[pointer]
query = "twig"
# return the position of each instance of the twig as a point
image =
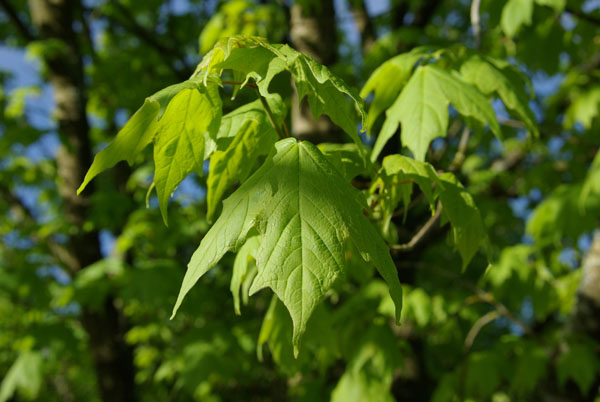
(511, 123)
(583, 16)
(486, 297)
(61, 253)
(459, 157)
(270, 114)
(477, 327)
(475, 22)
(421, 234)
(481, 295)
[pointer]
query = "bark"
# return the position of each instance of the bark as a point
(363, 24)
(113, 359)
(586, 317)
(313, 32)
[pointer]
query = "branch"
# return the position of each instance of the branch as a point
(478, 326)
(16, 21)
(459, 157)
(59, 252)
(420, 235)
(583, 16)
(475, 22)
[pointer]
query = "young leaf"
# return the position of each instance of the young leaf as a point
(326, 93)
(422, 108)
(242, 271)
(245, 135)
(514, 14)
(421, 173)
(177, 119)
(179, 148)
(388, 80)
(490, 77)
(305, 212)
(459, 208)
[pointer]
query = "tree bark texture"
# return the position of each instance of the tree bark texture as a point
(113, 358)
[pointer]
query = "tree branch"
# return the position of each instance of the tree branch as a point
(16, 21)
(475, 22)
(62, 254)
(583, 16)
(420, 235)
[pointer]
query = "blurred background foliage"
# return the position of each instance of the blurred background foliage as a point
(87, 284)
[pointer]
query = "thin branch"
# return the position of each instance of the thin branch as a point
(478, 326)
(481, 295)
(16, 21)
(459, 157)
(487, 297)
(475, 22)
(511, 123)
(593, 19)
(421, 234)
(62, 254)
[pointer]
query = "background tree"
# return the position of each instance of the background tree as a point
(505, 307)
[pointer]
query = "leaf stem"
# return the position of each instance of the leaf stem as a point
(271, 116)
(249, 84)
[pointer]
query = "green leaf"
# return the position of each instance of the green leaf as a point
(24, 376)
(404, 168)
(459, 208)
(370, 371)
(489, 77)
(422, 108)
(531, 368)
(244, 136)
(557, 5)
(276, 332)
(177, 119)
(388, 80)
(591, 184)
(580, 364)
(583, 109)
(242, 270)
(346, 158)
(326, 93)
(514, 14)
(137, 133)
(305, 212)
(565, 212)
(179, 149)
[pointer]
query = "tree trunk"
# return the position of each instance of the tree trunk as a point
(363, 24)
(112, 357)
(586, 317)
(312, 31)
